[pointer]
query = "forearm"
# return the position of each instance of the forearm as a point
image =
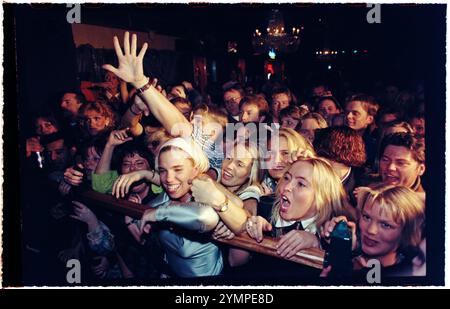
(165, 112)
(104, 165)
(191, 216)
(124, 95)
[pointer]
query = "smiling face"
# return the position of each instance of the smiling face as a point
(357, 116)
(296, 192)
(176, 169)
(380, 234)
(398, 167)
(236, 168)
(134, 162)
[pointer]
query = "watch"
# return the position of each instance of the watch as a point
(224, 206)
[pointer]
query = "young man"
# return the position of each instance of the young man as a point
(360, 112)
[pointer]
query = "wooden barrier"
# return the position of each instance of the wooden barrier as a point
(311, 257)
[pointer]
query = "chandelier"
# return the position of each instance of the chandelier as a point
(276, 38)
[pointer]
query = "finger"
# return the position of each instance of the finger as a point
(110, 68)
(126, 43)
(78, 205)
(325, 272)
(143, 50)
(133, 44)
(117, 48)
(259, 235)
(284, 240)
(293, 249)
(154, 82)
(114, 188)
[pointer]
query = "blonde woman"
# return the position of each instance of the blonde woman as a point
(390, 230)
(308, 195)
(282, 147)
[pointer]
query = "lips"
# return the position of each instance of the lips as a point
(227, 175)
(172, 189)
(391, 179)
(369, 242)
(285, 204)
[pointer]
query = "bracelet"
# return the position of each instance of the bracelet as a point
(145, 87)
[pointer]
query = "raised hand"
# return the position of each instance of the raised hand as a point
(131, 67)
(118, 137)
(33, 145)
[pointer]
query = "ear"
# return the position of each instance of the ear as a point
(262, 118)
(107, 122)
(73, 150)
(421, 169)
(369, 120)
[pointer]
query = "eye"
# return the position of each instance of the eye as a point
(240, 164)
(386, 225)
(366, 218)
(301, 184)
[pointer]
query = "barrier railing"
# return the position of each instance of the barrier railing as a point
(311, 257)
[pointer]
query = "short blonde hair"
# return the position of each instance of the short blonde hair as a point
(329, 195)
(405, 206)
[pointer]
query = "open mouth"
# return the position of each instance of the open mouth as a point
(391, 179)
(227, 175)
(284, 204)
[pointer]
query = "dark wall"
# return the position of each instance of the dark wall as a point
(45, 58)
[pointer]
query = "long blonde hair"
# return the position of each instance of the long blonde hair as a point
(329, 195)
(406, 208)
(254, 178)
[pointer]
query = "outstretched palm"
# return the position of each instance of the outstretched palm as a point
(130, 66)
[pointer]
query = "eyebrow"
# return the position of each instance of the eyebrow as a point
(302, 178)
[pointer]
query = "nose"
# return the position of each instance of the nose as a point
(349, 115)
(372, 228)
(288, 187)
(391, 166)
(170, 176)
(54, 156)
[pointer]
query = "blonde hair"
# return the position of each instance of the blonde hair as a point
(321, 122)
(296, 141)
(329, 195)
(194, 151)
(406, 208)
(255, 177)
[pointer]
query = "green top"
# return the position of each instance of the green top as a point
(103, 183)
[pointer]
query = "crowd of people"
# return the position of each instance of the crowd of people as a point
(261, 162)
